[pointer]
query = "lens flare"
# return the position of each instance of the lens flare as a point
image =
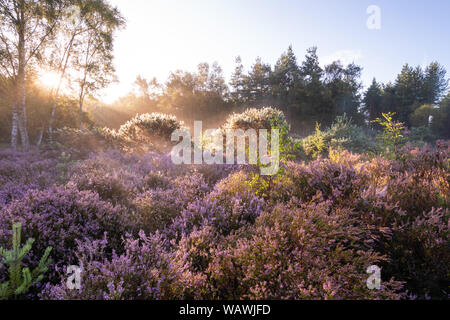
(49, 79)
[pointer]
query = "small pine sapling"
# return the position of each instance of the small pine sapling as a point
(21, 279)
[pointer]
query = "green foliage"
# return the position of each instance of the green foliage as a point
(305, 91)
(315, 145)
(288, 145)
(263, 185)
(343, 134)
(441, 119)
(372, 100)
(391, 139)
(421, 116)
(414, 87)
(21, 279)
(421, 135)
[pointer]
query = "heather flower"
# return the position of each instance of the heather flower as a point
(58, 217)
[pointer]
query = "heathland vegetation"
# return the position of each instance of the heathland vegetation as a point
(364, 175)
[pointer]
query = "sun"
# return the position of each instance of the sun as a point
(50, 79)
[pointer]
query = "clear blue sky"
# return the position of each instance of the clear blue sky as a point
(165, 35)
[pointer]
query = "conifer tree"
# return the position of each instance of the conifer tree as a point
(21, 279)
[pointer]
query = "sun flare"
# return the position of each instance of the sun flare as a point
(50, 79)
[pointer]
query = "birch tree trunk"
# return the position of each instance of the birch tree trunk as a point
(14, 127)
(80, 117)
(66, 56)
(21, 97)
(41, 136)
(50, 125)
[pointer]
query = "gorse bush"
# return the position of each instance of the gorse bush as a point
(153, 129)
(157, 124)
(255, 119)
(143, 133)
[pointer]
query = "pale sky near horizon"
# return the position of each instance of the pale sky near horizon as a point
(165, 35)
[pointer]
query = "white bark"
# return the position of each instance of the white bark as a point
(14, 128)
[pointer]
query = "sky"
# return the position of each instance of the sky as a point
(165, 35)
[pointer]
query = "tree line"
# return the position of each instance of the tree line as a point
(307, 92)
(74, 39)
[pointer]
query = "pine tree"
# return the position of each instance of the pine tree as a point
(435, 83)
(237, 82)
(21, 279)
(372, 100)
(258, 83)
(286, 80)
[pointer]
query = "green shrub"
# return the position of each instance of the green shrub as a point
(343, 134)
(421, 135)
(314, 145)
(421, 116)
(392, 138)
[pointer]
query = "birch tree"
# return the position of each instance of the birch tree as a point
(82, 51)
(92, 61)
(26, 26)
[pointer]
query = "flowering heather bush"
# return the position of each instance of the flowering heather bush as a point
(325, 179)
(214, 173)
(20, 172)
(145, 271)
(11, 191)
(58, 217)
(142, 164)
(107, 178)
(144, 228)
(225, 208)
(419, 253)
(278, 258)
(155, 209)
(225, 217)
(191, 187)
(417, 182)
(408, 198)
(27, 168)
